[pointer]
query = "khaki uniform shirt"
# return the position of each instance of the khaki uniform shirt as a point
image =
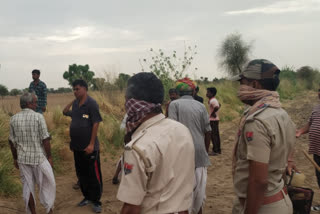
(168, 146)
(268, 137)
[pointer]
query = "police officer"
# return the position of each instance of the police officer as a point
(158, 162)
(265, 141)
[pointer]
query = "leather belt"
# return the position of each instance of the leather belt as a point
(269, 199)
(181, 212)
(274, 198)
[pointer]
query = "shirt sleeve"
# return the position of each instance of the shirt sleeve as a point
(95, 113)
(206, 121)
(45, 91)
(258, 142)
(44, 134)
(173, 113)
(133, 186)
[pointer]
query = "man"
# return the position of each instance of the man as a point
(214, 107)
(158, 161)
(173, 96)
(30, 146)
(40, 89)
(265, 141)
(84, 143)
(196, 97)
(194, 115)
(313, 127)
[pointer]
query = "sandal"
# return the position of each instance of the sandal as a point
(315, 208)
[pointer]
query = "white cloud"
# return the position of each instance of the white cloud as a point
(282, 7)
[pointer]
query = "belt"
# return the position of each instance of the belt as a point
(274, 198)
(269, 199)
(181, 212)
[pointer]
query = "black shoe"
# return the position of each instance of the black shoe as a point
(84, 202)
(96, 208)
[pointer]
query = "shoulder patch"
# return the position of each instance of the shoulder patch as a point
(249, 136)
(127, 168)
(263, 105)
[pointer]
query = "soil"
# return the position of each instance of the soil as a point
(219, 186)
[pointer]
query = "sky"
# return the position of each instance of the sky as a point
(111, 36)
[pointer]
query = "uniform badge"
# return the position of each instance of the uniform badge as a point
(127, 168)
(249, 136)
(85, 116)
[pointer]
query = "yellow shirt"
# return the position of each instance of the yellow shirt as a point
(169, 148)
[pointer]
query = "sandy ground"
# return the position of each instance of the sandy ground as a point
(219, 187)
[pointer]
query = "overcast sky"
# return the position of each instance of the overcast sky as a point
(112, 36)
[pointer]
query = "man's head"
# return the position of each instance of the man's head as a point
(173, 94)
(145, 86)
(28, 100)
(35, 74)
(260, 74)
(80, 88)
(211, 92)
(196, 90)
(185, 86)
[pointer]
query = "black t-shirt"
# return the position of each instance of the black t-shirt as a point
(83, 118)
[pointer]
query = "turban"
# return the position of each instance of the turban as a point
(185, 84)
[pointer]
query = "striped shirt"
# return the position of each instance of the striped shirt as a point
(27, 130)
(41, 91)
(314, 131)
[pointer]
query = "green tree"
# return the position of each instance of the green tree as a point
(234, 53)
(169, 68)
(3, 91)
(308, 75)
(15, 92)
(122, 80)
(79, 72)
(98, 84)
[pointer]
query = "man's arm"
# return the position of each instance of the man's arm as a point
(207, 137)
(130, 209)
(303, 130)
(44, 97)
(94, 133)
(66, 111)
(14, 154)
(47, 149)
(257, 186)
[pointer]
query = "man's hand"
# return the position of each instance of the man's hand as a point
(44, 109)
(298, 133)
(15, 163)
(50, 161)
(89, 148)
(291, 167)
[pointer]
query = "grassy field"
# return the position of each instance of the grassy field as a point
(112, 110)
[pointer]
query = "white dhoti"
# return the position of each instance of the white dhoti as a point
(199, 189)
(42, 175)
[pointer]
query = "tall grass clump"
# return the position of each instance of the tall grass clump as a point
(9, 179)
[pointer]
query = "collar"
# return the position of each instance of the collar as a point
(27, 109)
(85, 102)
(187, 97)
(146, 124)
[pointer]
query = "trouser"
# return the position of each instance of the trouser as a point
(284, 206)
(215, 136)
(199, 189)
(89, 174)
(316, 158)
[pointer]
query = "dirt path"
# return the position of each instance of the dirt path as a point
(219, 187)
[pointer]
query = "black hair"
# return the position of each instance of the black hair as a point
(36, 71)
(80, 82)
(212, 90)
(172, 91)
(270, 84)
(145, 86)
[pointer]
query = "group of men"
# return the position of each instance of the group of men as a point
(165, 159)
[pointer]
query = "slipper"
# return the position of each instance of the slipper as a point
(315, 208)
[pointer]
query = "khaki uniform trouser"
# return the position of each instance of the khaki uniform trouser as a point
(283, 206)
